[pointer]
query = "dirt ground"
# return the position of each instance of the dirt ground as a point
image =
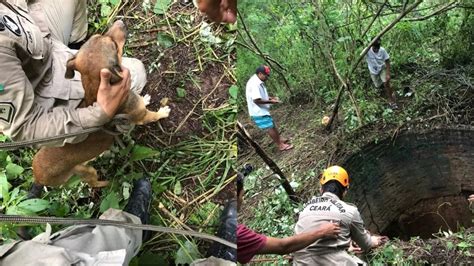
(315, 148)
(440, 250)
(184, 64)
(192, 73)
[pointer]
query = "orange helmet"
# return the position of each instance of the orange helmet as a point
(335, 173)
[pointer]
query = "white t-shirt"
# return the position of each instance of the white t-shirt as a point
(376, 61)
(255, 89)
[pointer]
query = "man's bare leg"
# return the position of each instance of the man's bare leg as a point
(282, 139)
(273, 132)
(389, 92)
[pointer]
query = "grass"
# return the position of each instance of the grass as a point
(444, 247)
(191, 171)
(442, 98)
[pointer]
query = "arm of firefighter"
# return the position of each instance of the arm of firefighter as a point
(359, 234)
(23, 119)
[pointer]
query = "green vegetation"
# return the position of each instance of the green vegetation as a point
(274, 215)
(312, 45)
(188, 156)
(314, 49)
(445, 245)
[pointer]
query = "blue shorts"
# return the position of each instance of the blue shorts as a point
(263, 122)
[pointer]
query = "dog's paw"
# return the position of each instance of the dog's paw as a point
(98, 184)
(164, 111)
(146, 99)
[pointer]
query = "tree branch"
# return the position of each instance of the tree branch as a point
(373, 20)
(284, 181)
(344, 85)
(362, 55)
(252, 40)
(266, 57)
(387, 28)
(437, 12)
(330, 58)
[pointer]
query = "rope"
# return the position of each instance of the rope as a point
(118, 120)
(72, 221)
(25, 143)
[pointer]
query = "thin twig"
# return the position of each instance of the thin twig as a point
(445, 8)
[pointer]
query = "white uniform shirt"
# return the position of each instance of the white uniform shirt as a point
(327, 208)
(255, 89)
(376, 61)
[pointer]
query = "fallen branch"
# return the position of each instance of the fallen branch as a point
(202, 100)
(284, 181)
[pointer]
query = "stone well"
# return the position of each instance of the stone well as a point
(415, 184)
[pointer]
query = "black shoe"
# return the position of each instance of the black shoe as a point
(139, 203)
(227, 230)
(35, 191)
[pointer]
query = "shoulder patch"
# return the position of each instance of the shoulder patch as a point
(11, 25)
(7, 112)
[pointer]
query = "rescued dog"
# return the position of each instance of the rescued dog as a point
(52, 166)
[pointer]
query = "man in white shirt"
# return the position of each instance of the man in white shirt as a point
(258, 103)
(378, 62)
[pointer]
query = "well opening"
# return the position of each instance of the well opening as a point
(416, 184)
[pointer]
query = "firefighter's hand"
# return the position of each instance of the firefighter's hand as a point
(378, 240)
(354, 248)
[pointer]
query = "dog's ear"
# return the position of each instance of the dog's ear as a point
(116, 74)
(70, 67)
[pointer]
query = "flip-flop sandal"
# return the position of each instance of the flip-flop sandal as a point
(287, 147)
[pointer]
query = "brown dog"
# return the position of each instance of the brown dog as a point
(52, 166)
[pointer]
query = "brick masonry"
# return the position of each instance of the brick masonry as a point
(414, 184)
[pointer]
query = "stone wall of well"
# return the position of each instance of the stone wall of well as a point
(395, 181)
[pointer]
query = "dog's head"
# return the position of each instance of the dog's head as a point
(100, 51)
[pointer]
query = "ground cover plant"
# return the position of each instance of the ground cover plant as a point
(312, 48)
(190, 64)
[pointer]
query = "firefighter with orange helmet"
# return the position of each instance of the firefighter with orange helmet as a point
(330, 207)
